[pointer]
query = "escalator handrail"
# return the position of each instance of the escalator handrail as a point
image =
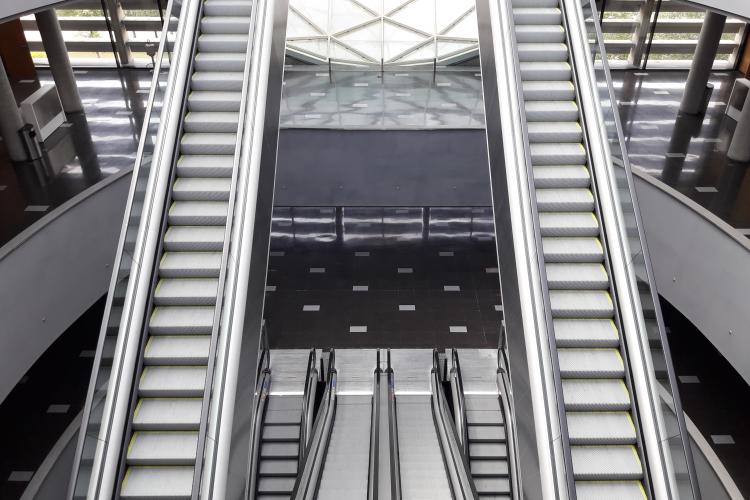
(233, 293)
(506, 406)
(308, 403)
(308, 480)
(114, 281)
(372, 471)
(655, 439)
(239, 161)
(105, 467)
(393, 432)
(459, 398)
(457, 467)
(556, 475)
(257, 434)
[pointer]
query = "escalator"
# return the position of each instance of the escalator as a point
(481, 409)
(282, 420)
(599, 410)
(168, 395)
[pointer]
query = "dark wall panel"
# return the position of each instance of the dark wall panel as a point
(318, 167)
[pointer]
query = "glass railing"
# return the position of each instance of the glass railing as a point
(675, 436)
(100, 377)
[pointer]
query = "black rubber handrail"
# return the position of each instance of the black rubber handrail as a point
(459, 402)
(373, 465)
(264, 384)
(306, 486)
(506, 406)
(308, 403)
(457, 468)
(393, 432)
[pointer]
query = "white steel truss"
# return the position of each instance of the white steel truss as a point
(382, 32)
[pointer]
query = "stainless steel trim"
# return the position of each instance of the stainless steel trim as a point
(231, 416)
(529, 323)
(308, 479)
(646, 257)
(456, 465)
(104, 469)
(625, 284)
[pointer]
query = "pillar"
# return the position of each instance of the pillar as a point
(59, 63)
(739, 148)
(703, 60)
(10, 119)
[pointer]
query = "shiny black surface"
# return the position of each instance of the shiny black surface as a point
(383, 277)
(686, 152)
(95, 144)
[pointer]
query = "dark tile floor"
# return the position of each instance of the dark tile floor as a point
(713, 394)
(91, 146)
(407, 238)
(686, 152)
(46, 401)
(383, 277)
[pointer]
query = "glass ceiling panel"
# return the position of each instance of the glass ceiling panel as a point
(382, 32)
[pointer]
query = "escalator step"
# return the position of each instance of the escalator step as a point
(162, 448)
(227, 8)
(186, 292)
(275, 485)
(486, 433)
(198, 213)
(595, 395)
(537, 16)
(602, 427)
(489, 468)
(177, 350)
(586, 333)
(578, 249)
(279, 450)
(172, 381)
(577, 276)
(492, 486)
(602, 463)
(281, 433)
(540, 33)
(143, 482)
(480, 451)
(205, 166)
(194, 238)
(270, 467)
(167, 413)
(591, 363)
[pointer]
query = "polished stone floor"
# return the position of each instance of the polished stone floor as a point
(95, 144)
(686, 152)
(46, 401)
(383, 277)
(713, 394)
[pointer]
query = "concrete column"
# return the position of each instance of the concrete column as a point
(10, 119)
(116, 16)
(739, 148)
(703, 60)
(59, 63)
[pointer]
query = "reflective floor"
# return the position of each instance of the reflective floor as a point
(685, 152)
(98, 143)
(383, 277)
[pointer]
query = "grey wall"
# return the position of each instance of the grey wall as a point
(54, 271)
(700, 268)
(382, 168)
(739, 8)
